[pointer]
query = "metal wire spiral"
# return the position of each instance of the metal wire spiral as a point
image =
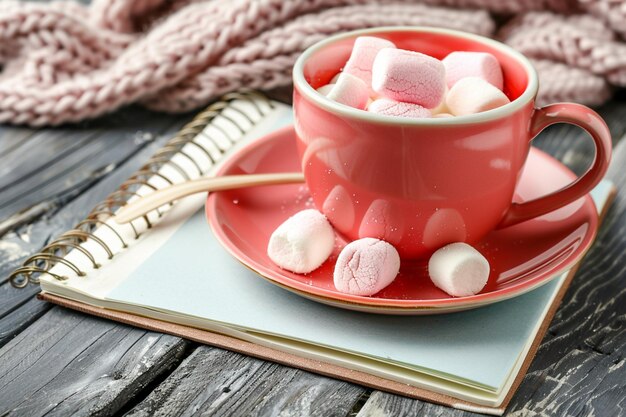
(56, 250)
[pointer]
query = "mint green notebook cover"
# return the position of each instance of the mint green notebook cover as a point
(192, 274)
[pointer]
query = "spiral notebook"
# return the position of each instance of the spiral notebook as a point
(177, 279)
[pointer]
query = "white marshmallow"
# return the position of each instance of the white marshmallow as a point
(474, 95)
(302, 243)
(459, 269)
(366, 266)
(325, 89)
(350, 90)
(335, 78)
(461, 64)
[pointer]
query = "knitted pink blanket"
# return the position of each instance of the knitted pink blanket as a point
(64, 62)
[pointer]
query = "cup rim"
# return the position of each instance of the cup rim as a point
(303, 86)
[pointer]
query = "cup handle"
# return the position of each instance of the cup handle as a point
(585, 118)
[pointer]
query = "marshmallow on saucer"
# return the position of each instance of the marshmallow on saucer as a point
(325, 89)
(390, 107)
(302, 243)
(362, 57)
(474, 95)
(366, 266)
(350, 90)
(483, 65)
(458, 269)
(409, 76)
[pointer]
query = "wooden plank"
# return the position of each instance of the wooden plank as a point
(16, 246)
(20, 318)
(54, 162)
(11, 138)
(26, 240)
(381, 404)
(221, 383)
(122, 360)
(579, 368)
(67, 363)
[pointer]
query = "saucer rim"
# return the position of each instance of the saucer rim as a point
(356, 302)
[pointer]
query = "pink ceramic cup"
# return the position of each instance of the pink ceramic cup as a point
(422, 183)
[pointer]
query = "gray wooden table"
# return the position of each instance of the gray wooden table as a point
(54, 361)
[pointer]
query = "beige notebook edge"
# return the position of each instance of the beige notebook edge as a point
(327, 369)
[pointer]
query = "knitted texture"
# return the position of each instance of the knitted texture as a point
(64, 62)
(578, 42)
(560, 82)
(266, 61)
(613, 12)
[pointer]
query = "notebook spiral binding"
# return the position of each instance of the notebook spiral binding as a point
(56, 250)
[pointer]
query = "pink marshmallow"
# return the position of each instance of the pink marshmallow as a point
(441, 108)
(390, 107)
(362, 57)
(366, 266)
(483, 65)
(409, 76)
(474, 95)
(350, 90)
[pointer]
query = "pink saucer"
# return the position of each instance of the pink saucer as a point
(522, 257)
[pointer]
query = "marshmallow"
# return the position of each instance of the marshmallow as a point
(335, 78)
(302, 243)
(442, 107)
(350, 90)
(366, 266)
(409, 76)
(442, 115)
(483, 65)
(390, 107)
(458, 269)
(474, 95)
(325, 89)
(362, 57)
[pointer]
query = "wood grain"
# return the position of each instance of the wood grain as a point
(20, 318)
(215, 382)
(55, 163)
(381, 404)
(12, 137)
(67, 363)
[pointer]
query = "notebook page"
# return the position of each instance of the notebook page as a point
(481, 345)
